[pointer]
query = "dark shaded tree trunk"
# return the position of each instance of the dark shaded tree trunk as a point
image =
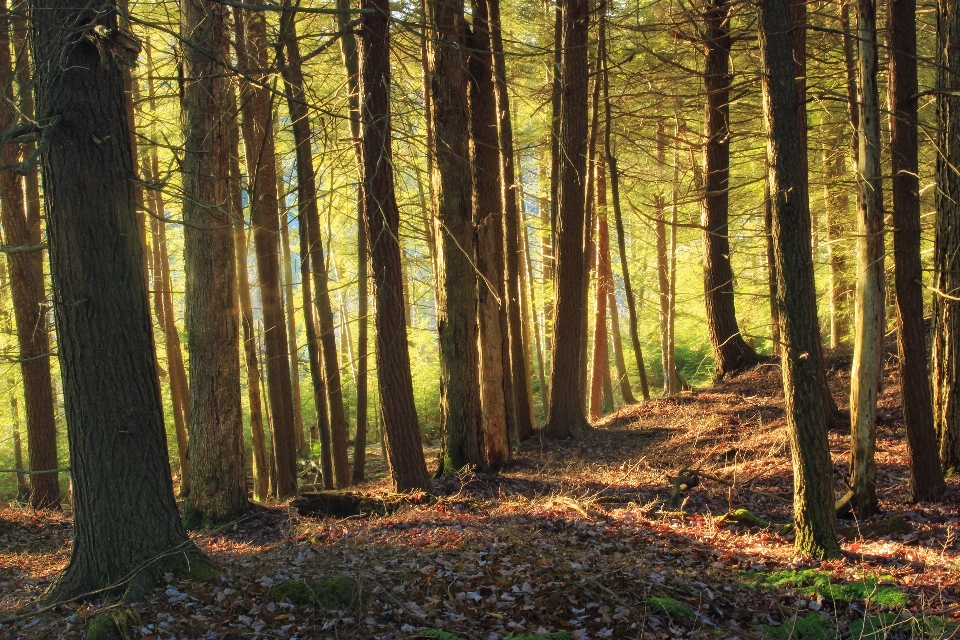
(256, 107)
(216, 420)
(29, 298)
(731, 353)
(946, 261)
(401, 431)
(460, 413)
(796, 293)
(566, 416)
(125, 515)
(926, 476)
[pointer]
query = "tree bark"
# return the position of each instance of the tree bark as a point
(566, 416)
(926, 476)
(946, 307)
(125, 515)
(303, 445)
(256, 107)
(29, 298)
(401, 431)
(865, 375)
(796, 293)
(730, 351)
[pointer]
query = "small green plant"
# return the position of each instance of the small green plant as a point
(671, 607)
(339, 592)
(113, 624)
(813, 627)
(812, 582)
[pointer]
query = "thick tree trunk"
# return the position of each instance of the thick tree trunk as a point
(29, 298)
(125, 515)
(730, 351)
(946, 306)
(401, 431)
(460, 412)
(796, 294)
(926, 476)
(511, 218)
(566, 417)
(216, 420)
(256, 107)
(865, 375)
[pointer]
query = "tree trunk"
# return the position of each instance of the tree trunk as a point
(835, 206)
(216, 421)
(796, 293)
(601, 392)
(303, 446)
(511, 217)
(663, 264)
(256, 106)
(730, 351)
(29, 299)
(526, 293)
(566, 417)
(926, 476)
(865, 375)
(401, 431)
(23, 485)
(125, 516)
(946, 306)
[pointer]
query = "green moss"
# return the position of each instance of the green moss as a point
(813, 582)
(742, 517)
(114, 624)
(671, 607)
(814, 627)
(339, 592)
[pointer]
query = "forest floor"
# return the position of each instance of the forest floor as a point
(573, 537)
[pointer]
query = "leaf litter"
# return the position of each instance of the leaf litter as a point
(572, 538)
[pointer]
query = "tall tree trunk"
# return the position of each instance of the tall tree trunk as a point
(531, 313)
(926, 476)
(865, 375)
(307, 201)
(23, 485)
(29, 299)
(125, 516)
(401, 431)
(547, 286)
(663, 264)
(730, 351)
(835, 201)
(496, 378)
(525, 318)
(796, 293)
(256, 107)
(946, 307)
(601, 392)
(303, 446)
(511, 218)
(566, 417)
(216, 419)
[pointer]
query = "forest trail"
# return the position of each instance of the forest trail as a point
(572, 537)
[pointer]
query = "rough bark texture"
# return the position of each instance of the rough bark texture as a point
(566, 417)
(731, 353)
(460, 413)
(401, 431)
(946, 308)
(256, 106)
(217, 476)
(124, 510)
(865, 375)
(796, 294)
(29, 299)
(926, 476)
(307, 201)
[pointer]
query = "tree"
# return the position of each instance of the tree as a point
(566, 416)
(126, 523)
(926, 476)
(796, 293)
(730, 351)
(946, 261)
(401, 432)
(21, 227)
(216, 420)
(865, 375)
(460, 412)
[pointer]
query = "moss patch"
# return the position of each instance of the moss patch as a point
(339, 592)
(671, 607)
(742, 517)
(115, 624)
(813, 582)
(814, 627)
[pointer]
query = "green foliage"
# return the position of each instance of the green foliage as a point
(671, 607)
(743, 517)
(812, 581)
(339, 592)
(813, 627)
(113, 624)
